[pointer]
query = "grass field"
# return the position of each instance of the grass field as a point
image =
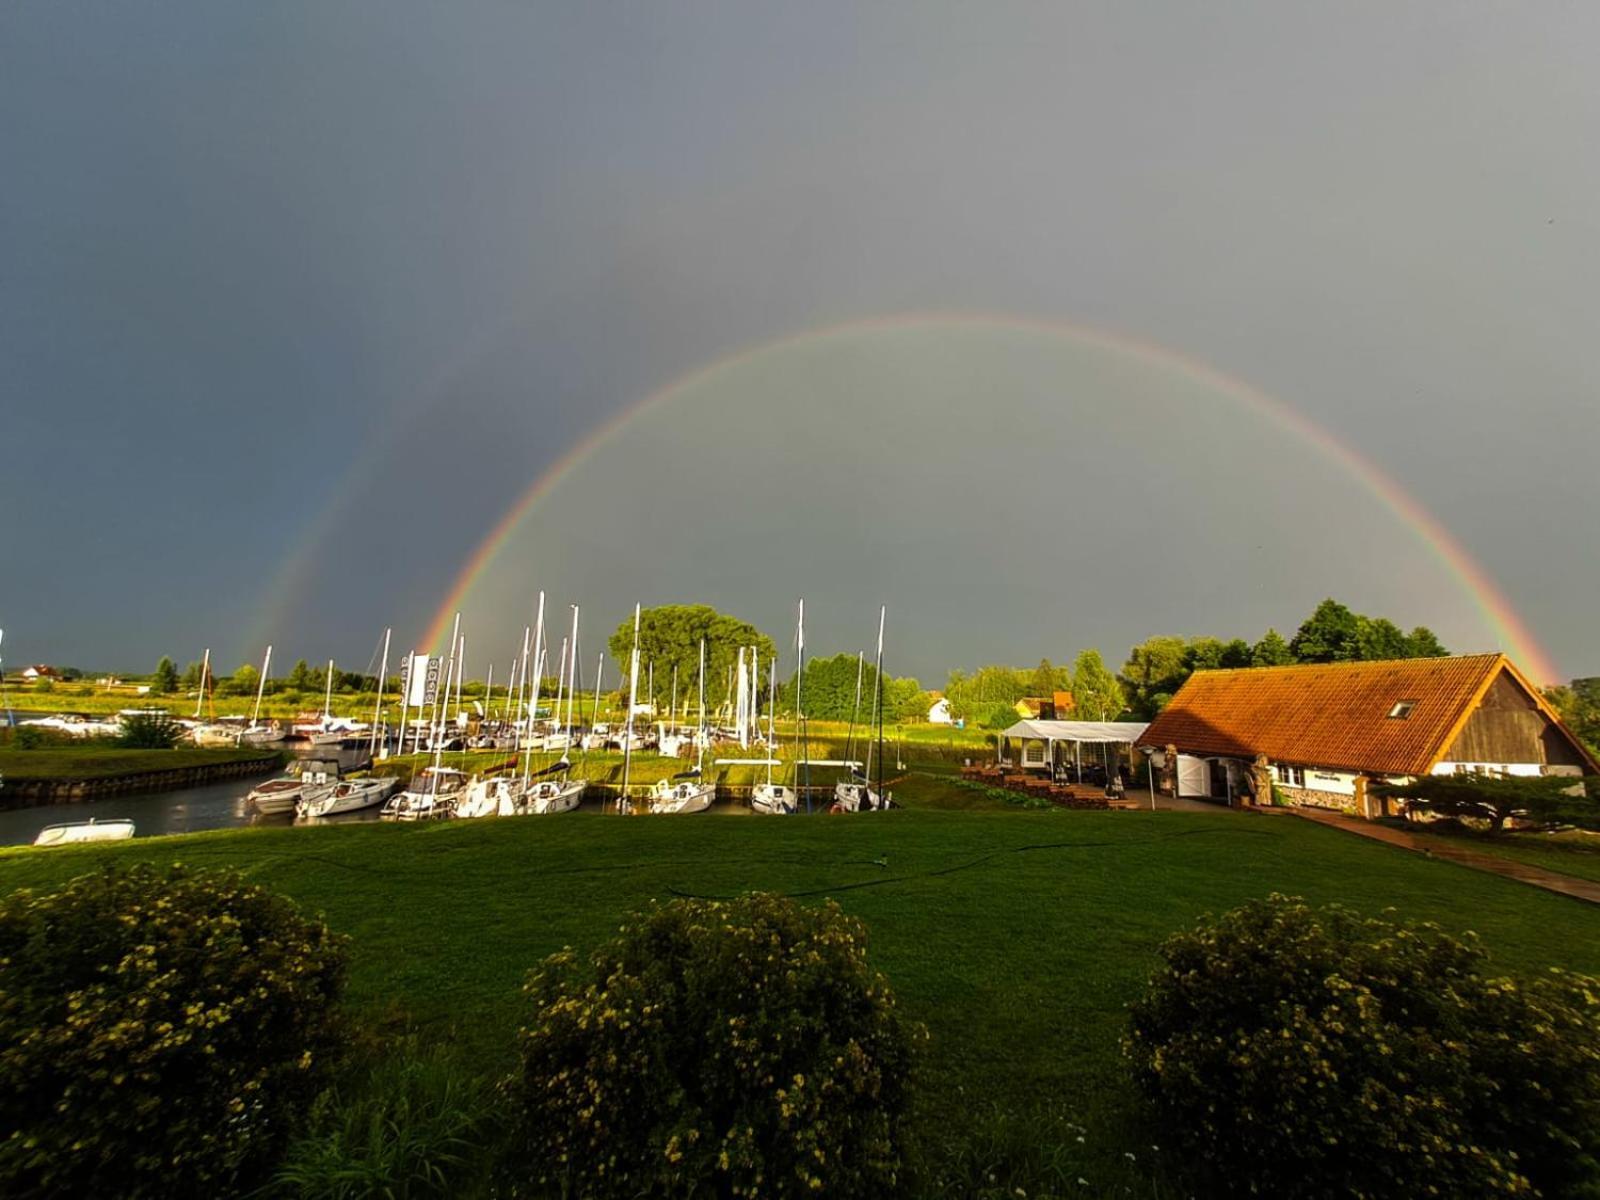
(1017, 938)
(96, 762)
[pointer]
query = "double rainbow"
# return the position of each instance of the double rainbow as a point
(1509, 628)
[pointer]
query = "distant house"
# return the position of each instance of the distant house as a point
(1319, 732)
(1064, 704)
(40, 671)
(1035, 708)
(939, 711)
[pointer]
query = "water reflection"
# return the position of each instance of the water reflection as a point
(181, 810)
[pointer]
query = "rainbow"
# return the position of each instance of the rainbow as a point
(1514, 635)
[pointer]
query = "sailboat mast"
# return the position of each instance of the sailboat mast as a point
(561, 683)
(599, 665)
(261, 687)
(772, 710)
(623, 804)
(377, 709)
(572, 681)
(700, 739)
(205, 669)
(855, 714)
(801, 750)
(878, 704)
(327, 699)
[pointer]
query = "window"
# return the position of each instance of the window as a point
(1033, 753)
(1290, 776)
(1402, 710)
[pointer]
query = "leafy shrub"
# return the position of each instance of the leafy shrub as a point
(159, 1031)
(410, 1125)
(1294, 1052)
(149, 731)
(714, 1048)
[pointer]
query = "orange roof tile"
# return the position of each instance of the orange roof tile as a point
(1332, 715)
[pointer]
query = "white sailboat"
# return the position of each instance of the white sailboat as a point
(326, 732)
(348, 795)
(769, 797)
(547, 797)
(431, 796)
(857, 794)
(256, 733)
(695, 794)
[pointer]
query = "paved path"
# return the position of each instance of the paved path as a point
(1550, 881)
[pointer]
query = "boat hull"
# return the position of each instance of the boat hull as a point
(773, 799)
(77, 832)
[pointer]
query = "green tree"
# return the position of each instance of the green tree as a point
(165, 680)
(1155, 669)
(300, 678)
(1271, 651)
(191, 678)
(1095, 689)
(1421, 643)
(1330, 634)
(1047, 679)
(244, 681)
(1378, 638)
(669, 636)
(830, 689)
(985, 690)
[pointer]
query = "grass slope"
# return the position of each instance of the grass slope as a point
(1017, 938)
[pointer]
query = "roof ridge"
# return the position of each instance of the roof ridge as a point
(1360, 662)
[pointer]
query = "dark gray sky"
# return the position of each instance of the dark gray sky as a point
(295, 299)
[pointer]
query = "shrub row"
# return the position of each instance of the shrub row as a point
(168, 1033)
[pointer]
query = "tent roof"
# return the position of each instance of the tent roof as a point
(1078, 731)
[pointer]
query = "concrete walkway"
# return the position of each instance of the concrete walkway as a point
(1550, 881)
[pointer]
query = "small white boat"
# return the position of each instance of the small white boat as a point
(348, 795)
(773, 798)
(77, 832)
(304, 781)
(548, 797)
(500, 796)
(849, 796)
(262, 735)
(432, 795)
(684, 796)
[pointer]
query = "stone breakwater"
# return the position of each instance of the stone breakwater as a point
(20, 792)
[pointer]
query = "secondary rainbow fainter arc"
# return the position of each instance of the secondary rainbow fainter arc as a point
(1492, 604)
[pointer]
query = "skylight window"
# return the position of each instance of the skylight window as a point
(1402, 710)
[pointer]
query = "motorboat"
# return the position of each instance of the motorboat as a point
(73, 725)
(305, 780)
(77, 832)
(432, 795)
(348, 795)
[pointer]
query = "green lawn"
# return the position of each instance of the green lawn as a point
(94, 762)
(1016, 937)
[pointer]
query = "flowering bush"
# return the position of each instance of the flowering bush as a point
(735, 1048)
(158, 1031)
(1294, 1052)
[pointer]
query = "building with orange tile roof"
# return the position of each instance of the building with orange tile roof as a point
(1323, 729)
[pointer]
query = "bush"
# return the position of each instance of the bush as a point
(714, 1048)
(410, 1125)
(159, 1032)
(1293, 1052)
(149, 731)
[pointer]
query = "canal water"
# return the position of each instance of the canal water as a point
(179, 810)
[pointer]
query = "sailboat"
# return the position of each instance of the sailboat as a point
(694, 794)
(772, 797)
(206, 731)
(856, 794)
(327, 732)
(502, 794)
(256, 733)
(546, 797)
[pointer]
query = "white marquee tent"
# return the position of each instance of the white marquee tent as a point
(1038, 739)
